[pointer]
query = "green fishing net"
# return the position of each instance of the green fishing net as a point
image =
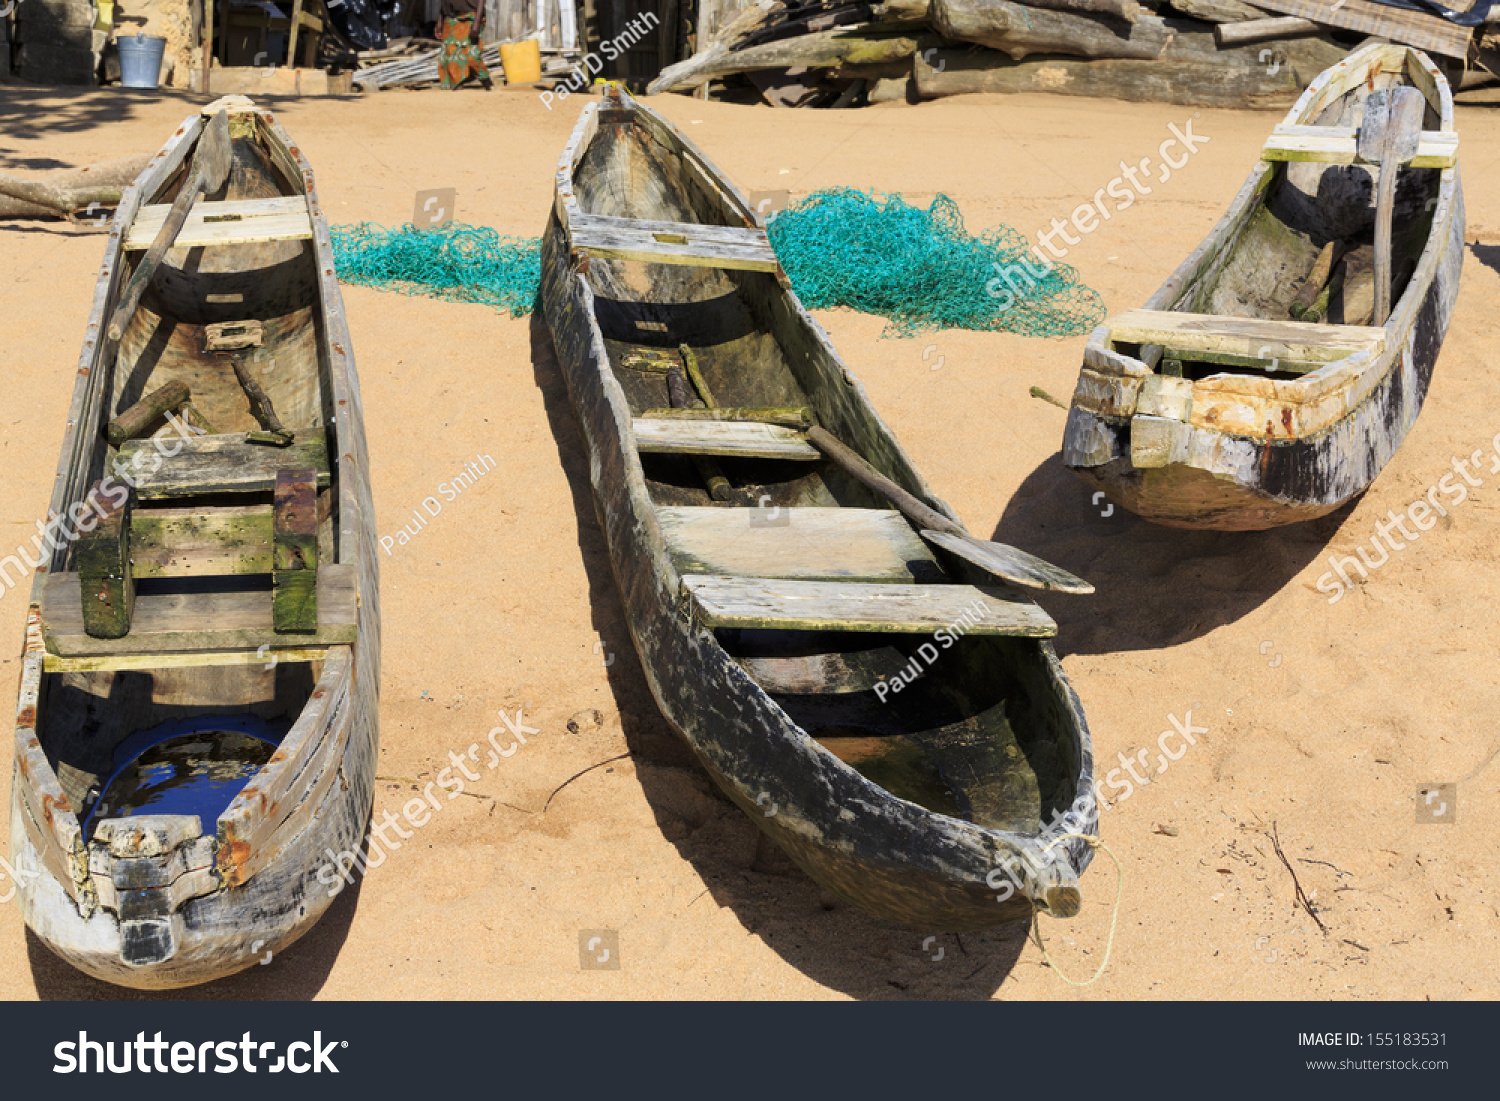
(456, 262)
(840, 247)
(923, 270)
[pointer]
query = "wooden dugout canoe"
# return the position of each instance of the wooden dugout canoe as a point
(229, 667)
(782, 628)
(1212, 407)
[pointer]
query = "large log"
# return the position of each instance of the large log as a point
(1021, 30)
(1191, 73)
(1217, 11)
(845, 46)
(1264, 30)
(69, 191)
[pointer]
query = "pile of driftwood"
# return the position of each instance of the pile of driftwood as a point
(1194, 52)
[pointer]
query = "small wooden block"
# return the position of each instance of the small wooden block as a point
(1162, 396)
(134, 421)
(106, 587)
(294, 551)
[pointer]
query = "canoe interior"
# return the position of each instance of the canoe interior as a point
(85, 716)
(1266, 255)
(979, 736)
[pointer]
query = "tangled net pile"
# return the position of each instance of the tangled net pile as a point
(922, 269)
(840, 247)
(457, 262)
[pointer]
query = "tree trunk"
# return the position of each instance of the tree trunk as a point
(69, 191)
(1191, 73)
(1217, 11)
(1020, 30)
(845, 46)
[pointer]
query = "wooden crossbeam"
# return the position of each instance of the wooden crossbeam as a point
(806, 543)
(201, 541)
(1245, 336)
(177, 623)
(735, 438)
(235, 222)
(673, 243)
(1338, 144)
(761, 603)
(223, 464)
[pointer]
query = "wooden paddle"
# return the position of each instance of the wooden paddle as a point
(1388, 136)
(209, 170)
(1004, 562)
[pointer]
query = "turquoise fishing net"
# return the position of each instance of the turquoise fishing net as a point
(456, 262)
(923, 270)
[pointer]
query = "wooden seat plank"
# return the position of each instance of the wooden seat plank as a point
(1246, 336)
(745, 439)
(807, 543)
(1338, 145)
(787, 605)
(224, 464)
(201, 541)
(234, 222)
(673, 242)
(187, 622)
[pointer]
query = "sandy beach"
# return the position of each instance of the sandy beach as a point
(1322, 719)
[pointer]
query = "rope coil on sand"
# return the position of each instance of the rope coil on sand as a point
(1094, 843)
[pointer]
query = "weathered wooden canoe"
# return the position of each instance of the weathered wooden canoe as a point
(1213, 407)
(196, 730)
(899, 725)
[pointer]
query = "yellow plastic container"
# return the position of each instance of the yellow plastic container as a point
(522, 61)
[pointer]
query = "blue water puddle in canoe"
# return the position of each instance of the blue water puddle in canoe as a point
(186, 766)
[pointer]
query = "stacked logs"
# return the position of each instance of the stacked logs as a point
(1220, 53)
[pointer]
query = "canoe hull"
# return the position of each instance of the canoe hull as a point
(1241, 483)
(1298, 450)
(891, 858)
(172, 901)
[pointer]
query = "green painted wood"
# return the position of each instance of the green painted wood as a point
(106, 589)
(294, 553)
(202, 541)
(222, 464)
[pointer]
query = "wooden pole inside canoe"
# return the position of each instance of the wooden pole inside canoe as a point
(681, 398)
(208, 42)
(1004, 562)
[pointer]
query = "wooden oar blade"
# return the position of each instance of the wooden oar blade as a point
(1009, 563)
(1392, 126)
(214, 154)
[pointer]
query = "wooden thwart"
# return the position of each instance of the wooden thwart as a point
(236, 222)
(1340, 145)
(809, 544)
(849, 606)
(225, 464)
(673, 243)
(183, 622)
(735, 438)
(201, 541)
(1245, 336)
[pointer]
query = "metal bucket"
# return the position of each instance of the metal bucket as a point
(140, 60)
